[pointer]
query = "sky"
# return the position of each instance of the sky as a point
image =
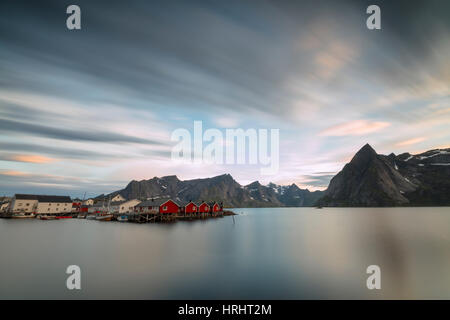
(90, 110)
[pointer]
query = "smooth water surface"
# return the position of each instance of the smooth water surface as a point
(282, 253)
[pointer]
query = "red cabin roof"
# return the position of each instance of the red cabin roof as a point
(169, 206)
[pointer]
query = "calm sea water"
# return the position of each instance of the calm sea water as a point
(289, 253)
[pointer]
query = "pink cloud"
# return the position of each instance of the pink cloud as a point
(410, 141)
(354, 128)
(30, 158)
(13, 173)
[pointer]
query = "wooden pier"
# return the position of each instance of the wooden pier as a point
(158, 217)
(171, 217)
(150, 217)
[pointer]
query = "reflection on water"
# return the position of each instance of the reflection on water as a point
(289, 253)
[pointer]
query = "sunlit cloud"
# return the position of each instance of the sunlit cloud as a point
(355, 128)
(410, 141)
(30, 158)
(13, 173)
(57, 185)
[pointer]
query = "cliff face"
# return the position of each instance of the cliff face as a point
(376, 180)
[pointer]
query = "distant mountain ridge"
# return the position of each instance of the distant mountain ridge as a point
(220, 188)
(370, 179)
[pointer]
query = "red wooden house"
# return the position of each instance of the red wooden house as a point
(169, 206)
(214, 207)
(189, 208)
(203, 207)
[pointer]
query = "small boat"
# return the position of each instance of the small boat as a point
(46, 217)
(122, 218)
(63, 217)
(23, 216)
(91, 217)
(104, 214)
(104, 217)
(81, 216)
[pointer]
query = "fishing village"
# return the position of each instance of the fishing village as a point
(115, 208)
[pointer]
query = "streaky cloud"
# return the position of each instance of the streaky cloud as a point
(19, 127)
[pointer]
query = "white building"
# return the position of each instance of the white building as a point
(40, 204)
(54, 204)
(117, 198)
(24, 203)
(88, 202)
(123, 206)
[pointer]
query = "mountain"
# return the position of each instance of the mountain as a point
(370, 179)
(283, 196)
(220, 188)
(293, 196)
(261, 193)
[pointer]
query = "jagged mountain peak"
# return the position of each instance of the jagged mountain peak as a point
(391, 156)
(367, 147)
(370, 179)
(254, 184)
(365, 151)
(170, 178)
(363, 157)
(226, 176)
